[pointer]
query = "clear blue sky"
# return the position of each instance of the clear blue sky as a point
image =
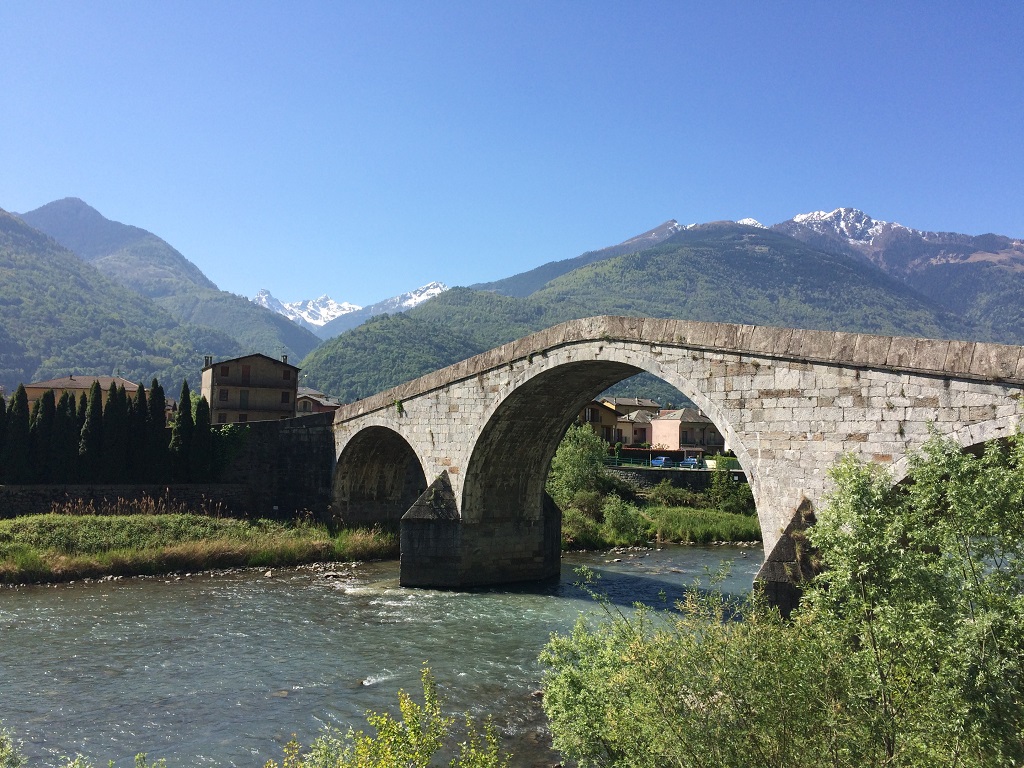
(363, 149)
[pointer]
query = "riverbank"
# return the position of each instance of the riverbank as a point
(54, 548)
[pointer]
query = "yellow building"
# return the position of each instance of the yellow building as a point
(601, 418)
(250, 388)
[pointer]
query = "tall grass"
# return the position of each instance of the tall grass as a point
(60, 547)
(701, 526)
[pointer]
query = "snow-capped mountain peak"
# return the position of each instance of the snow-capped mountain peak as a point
(752, 223)
(421, 294)
(315, 312)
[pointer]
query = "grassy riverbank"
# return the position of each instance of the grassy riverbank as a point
(58, 547)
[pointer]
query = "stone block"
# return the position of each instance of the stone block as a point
(901, 352)
(958, 357)
(995, 361)
(929, 355)
(812, 345)
(872, 350)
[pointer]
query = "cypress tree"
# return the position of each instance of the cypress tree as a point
(64, 445)
(201, 455)
(181, 435)
(3, 432)
(90, 445)
(115, 435)
(17, 445)
(44, 415)
(138, 436)
(156, 457)
(83, 409)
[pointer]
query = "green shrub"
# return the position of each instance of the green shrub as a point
(623, 524)
(702, 526)
(579, 531)
(667, 495)
(907, 649)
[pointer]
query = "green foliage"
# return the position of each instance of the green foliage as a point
(409, 741)
(730, 495)
(700, 526)
(78, 320)
(182, 432)
(10, 751)
(623, 524)
(90, 445)
(16, 463)
(908, 650)
(577, 465)
(383, 352)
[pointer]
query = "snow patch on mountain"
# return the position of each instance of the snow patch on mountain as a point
(853, 224)
(315, 312)
(410, 299)
(752, 223)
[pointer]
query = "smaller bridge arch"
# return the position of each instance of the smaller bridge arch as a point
(377, 478)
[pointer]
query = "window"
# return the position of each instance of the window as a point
(305, 405)
(222, 395)
(225, 370)
(222, 418)
(243, 398)
(286, 397)
(246, 373)
(243, 417)
(287, 374)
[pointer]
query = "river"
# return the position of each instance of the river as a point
(221, 669)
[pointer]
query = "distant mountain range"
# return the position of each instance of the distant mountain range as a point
(148, 265)
(327, 318)
(83, 294)
(839, 270)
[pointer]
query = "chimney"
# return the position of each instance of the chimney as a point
(207, 361)
(284, 358)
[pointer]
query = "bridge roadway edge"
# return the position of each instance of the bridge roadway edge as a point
(980, 362)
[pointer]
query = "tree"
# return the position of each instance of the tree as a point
(157, 458)
(201, 455)
(41, 437)
(3, 431)
(138, 436)
(908, 649)
(115, 435)
(17, 466)
(577, 465)
(181, 435)
(90, 445)
(64, 444)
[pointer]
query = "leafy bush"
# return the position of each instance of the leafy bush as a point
(667, 495)
(580, 531)
(623, 524)
(578, 465)
(908, 650)
(702, 526)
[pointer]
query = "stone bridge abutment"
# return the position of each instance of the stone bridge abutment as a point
(461, 455)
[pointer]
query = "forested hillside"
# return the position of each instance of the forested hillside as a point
(717, 272)
(58, 315)
(150, 266)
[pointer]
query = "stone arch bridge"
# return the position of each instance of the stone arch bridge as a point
(460, 456)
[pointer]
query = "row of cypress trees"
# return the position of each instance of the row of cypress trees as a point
(124, 441)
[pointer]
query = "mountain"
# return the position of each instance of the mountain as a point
(134, 257)
(60, 315)
(525, 283)
(401, 303)
(143, 262)
(723, 271)
(979, 278)
(310, 313)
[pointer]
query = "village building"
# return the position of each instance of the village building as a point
(688, 430)
(78, 386)
(250, 388)
(309, 401)
(601, 418)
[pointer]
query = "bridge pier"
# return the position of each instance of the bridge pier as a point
(442, 550)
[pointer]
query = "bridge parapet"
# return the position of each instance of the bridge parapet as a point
(974, 360)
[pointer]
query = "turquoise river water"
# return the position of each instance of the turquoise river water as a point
(221, 670)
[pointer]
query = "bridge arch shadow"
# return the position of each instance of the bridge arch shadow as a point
(377, 478)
